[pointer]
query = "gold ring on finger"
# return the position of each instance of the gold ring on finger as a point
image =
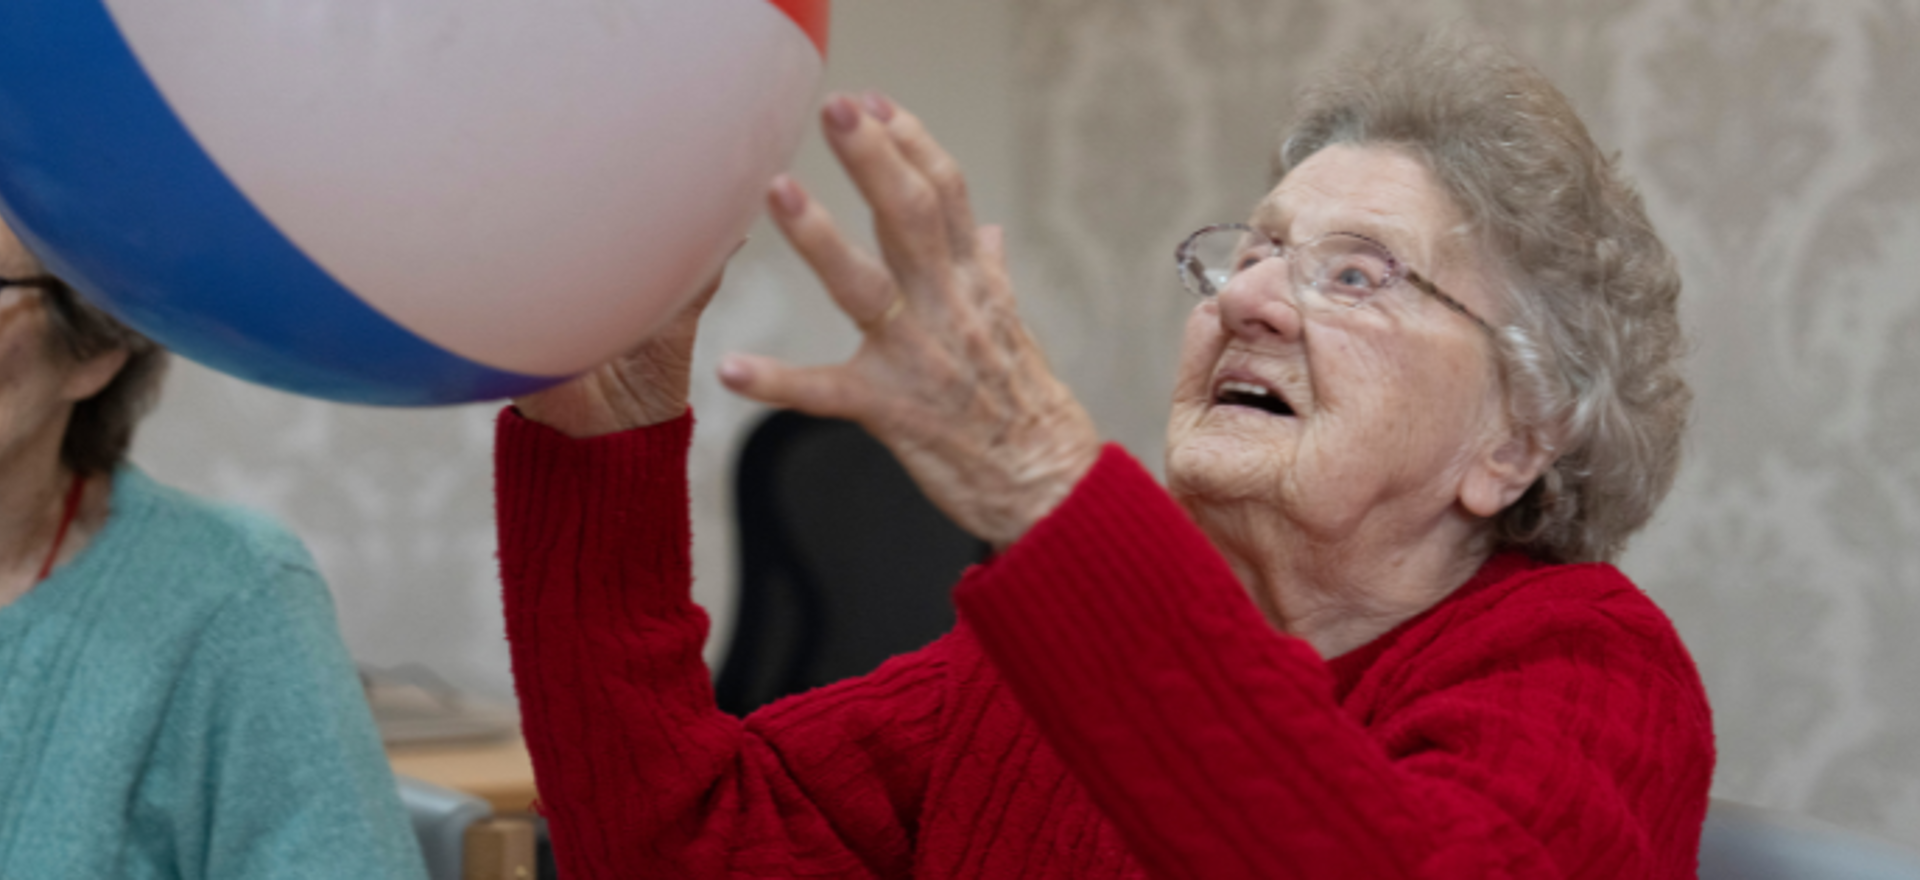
(875, 325)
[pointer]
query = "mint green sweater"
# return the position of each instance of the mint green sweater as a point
(176, 703)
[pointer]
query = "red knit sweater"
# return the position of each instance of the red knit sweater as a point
(1111, 705)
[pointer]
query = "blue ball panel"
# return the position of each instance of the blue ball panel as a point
(100, 178)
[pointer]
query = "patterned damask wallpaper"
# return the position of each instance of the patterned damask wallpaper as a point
(1778, 145)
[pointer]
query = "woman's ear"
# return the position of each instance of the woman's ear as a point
(1504, 473)
(90, 376)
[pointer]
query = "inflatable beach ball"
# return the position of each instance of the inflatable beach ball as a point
(397, 202)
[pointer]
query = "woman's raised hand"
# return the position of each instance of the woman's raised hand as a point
(645, 386)
(947, 376)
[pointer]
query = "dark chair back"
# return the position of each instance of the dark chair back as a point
(843, 561)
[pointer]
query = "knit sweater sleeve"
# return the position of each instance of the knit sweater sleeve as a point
(1215, 743)
(640, 775)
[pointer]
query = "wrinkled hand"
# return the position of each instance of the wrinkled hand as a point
(645, 386)
(947, 376)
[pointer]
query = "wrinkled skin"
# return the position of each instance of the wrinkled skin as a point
(1367, 503)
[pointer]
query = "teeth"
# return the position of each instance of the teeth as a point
(1243, 388)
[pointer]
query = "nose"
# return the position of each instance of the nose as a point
(1260, 303)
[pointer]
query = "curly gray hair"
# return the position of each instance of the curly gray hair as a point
(1591, 358)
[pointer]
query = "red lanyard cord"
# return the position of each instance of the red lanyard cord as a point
(66, 521)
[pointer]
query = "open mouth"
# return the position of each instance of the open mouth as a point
(1247, 394)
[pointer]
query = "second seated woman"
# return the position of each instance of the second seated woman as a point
(175, 699)
(1368, 629)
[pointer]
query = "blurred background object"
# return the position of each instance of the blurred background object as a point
(843, 561)
(1743, 842)
(414, 706)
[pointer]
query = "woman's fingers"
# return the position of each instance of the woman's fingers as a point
(957, 389)
(937, 166)
(991, 261)
(859, 284)
(830, 391)
(909, 219)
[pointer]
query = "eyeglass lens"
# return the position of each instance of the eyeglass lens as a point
(1344, 268)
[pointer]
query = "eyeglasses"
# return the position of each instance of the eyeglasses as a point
(55, 294)
(1347, 269)
(39, 282)
(45, 283)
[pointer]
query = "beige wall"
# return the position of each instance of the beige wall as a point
(1779, 147)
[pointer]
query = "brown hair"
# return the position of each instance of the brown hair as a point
(102, 427)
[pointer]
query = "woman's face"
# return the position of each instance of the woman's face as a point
(37, 388)
(1385, 415)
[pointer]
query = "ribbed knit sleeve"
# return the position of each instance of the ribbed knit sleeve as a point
(1544, 732)
(640, 774)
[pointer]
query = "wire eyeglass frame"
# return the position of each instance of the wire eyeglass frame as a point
(1318, 264)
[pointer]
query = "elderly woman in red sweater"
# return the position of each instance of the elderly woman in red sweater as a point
(1368, 629)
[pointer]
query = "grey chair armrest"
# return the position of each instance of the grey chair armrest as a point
(441, 817)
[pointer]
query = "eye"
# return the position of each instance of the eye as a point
(1249, 251)
(1356, 273)
(1355, 277)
